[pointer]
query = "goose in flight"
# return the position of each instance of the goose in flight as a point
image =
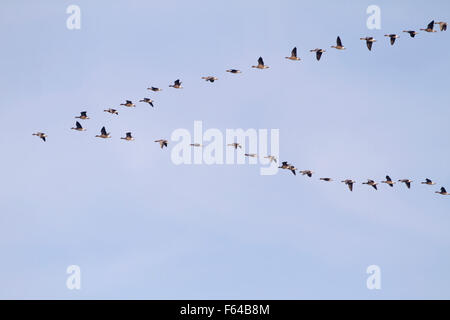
(40, 135)
(261, 64)
(252, 155)
(235, 145)
(163, 143)
(286, 165)
(392, 37)
(371, 183)
(83, 115)
(326, 179)
(154, 89)
(210, 79)
(293, 169)
(112, 111)
(412, 33)
(293, 55)
(407, 182)
(128, 103)
(271, 159)
(428, 182)
(103, 134)
(349, 183)
(128, 137)
(338, 45)
(147, 100)
(318, 53)
(78, 127)
(308, 173)
(443, 192)
(176, 84)
(442, 25)
(195, 145)
(389, 181)
(430, 27)
(369, 41)
(234, 71)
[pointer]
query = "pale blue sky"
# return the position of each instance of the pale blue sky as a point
(141, 227)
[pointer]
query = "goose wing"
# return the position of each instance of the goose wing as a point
(318, 55)
(260, 61)
(78, 125)
(103, 131)
(294, 52)
(339, 42)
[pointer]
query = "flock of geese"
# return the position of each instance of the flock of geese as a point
(285, 165)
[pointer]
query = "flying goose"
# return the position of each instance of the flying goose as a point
(154, 89)
(176, 84)
(195, 145)
(318, 53)
(392, 37)
(443, 192)
(389, 181)
(428, 182)
(128, 137)
(147, 100)
(284, 165)
(349, 183)
(412, 33)
(112, 111)
(371, 183)
(369, 41)
(271, 158)
(326, 179)
(338, 45)
(293, 55)
(233, 71)
(442, 25)
(163, 143)
(83, 115)
(252, 155)
(128, 103)
(261, 64)
(78, 127)
(293, 169)
(430, 27)
(407, 182)
(308, 173)
(40, 135)
(235, 145)
(103, 134)
(210, 78)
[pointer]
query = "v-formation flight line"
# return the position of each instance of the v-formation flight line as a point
(285, 165)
